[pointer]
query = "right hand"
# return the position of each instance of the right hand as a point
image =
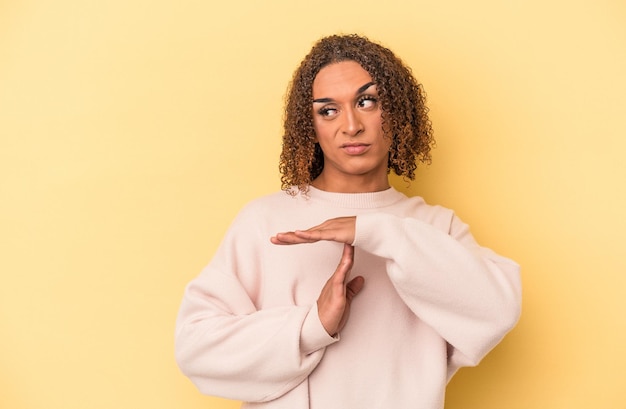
(333, 304)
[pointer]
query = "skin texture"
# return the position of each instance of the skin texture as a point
(334, 301)
(348, 127)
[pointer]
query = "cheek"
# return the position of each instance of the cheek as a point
(322, 130)
(376, 124)
(375, 120)
(388, 141)
(386, 137)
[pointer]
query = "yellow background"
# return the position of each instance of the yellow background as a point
(131, 133)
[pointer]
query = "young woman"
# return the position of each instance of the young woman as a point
(340, 291)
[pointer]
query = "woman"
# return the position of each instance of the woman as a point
(384, 298)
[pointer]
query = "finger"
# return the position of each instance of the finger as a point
(347, 256)
(340, 229)
(345, 264)
(354, 287)
(289, 238)
(312, 236)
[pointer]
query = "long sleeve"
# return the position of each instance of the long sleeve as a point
(230, 347)
(468, 294)
(433, 301)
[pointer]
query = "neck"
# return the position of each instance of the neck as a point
(350, 185)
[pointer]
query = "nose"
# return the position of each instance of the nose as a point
(352, 123)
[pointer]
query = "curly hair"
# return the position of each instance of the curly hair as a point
(403, 104)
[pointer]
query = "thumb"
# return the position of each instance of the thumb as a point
(354, 287)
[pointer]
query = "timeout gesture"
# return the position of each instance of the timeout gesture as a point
(340, 229)
(333, 304)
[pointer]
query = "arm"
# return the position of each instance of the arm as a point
(469, 294)
(226, 345)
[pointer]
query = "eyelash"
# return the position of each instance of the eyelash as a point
(367, 98)
(325, 111)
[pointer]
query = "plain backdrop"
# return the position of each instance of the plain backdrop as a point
(132, 132)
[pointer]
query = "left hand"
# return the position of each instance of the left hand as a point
(340, 229)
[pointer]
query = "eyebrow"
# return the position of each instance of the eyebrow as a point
(358, 91)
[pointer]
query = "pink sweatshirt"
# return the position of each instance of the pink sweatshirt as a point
(433, 301)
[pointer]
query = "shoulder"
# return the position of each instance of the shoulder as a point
(268, 211)
(416, 207)
(270, 203)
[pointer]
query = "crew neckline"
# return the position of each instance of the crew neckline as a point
(366, 200)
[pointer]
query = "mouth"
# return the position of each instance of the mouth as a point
(354, 148)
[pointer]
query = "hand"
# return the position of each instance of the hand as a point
(340, 229)
(333, 304)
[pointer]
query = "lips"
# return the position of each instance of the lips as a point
(355, 148)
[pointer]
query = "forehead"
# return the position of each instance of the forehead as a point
(338, 78)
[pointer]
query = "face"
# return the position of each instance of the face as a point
(348, 126)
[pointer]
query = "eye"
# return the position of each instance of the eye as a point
(367, 102)
(327, 112)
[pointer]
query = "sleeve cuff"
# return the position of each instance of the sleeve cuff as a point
(369, 228)
(313, 336)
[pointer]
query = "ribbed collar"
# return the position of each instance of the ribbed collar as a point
(369, 200)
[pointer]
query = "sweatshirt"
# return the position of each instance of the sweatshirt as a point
(433, 301)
